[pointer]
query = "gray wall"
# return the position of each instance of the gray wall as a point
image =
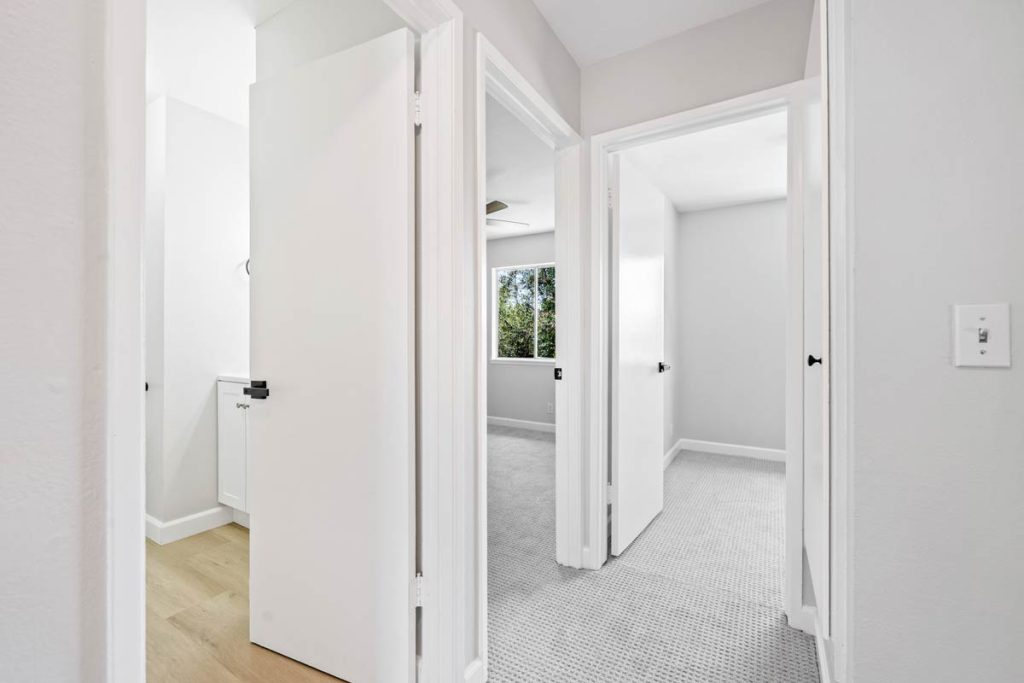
(521, 391)
(729, 351)
(750, 51)
(937, 101)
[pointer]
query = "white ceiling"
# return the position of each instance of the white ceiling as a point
(736, 164)
(521, 173)
(594, 30)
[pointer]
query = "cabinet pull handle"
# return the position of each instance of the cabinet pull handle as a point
(243, 406)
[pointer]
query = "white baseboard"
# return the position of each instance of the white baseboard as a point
(240, 518)
(183, 527)
(775, 454)
(521, 424)
(672, 453)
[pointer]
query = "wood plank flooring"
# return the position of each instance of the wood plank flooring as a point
(197, 615)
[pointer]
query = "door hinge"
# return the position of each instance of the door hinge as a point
(610, 206)
(419, 589)
(417, 101)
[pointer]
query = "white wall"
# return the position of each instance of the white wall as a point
(752, 50)
(204, 330)
(729, 358)
(200, 62)
(201, 52)
(524, 390)
(306, 30)
(53, 360)
(938, 166)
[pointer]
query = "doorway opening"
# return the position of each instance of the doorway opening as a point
(529, 401)
(279, 269)
(522, 273)
(700, 346)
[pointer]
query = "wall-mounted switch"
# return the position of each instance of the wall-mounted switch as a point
(981, 334)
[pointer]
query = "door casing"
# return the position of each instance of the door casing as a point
(443, 653)
(596, 489)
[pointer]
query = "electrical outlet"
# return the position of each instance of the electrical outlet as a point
(551, 409)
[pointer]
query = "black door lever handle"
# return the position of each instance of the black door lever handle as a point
(812, 361)
(257, 389)
(664, 367)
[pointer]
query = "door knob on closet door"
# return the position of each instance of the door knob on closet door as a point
(812, 361)
(664, 367)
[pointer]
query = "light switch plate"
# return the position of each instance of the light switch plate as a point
(981, 334)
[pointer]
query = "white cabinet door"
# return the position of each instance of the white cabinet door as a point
(232, 406)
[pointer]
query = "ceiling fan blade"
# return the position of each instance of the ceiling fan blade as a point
(495, 206)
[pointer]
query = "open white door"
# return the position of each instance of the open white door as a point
(332, 448)
(817, 525)
(637, 345)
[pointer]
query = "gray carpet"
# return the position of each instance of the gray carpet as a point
(697, 598)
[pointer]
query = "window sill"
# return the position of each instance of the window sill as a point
(523, 361)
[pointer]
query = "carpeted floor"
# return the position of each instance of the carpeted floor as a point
(696, 599)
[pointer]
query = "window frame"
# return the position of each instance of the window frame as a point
(536, 267)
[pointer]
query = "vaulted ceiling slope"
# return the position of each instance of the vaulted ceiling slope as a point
(594, 30)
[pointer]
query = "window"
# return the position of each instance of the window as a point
(524, 312)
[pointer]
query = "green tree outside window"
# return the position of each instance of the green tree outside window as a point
(525, 312)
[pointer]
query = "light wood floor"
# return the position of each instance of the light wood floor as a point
(197, 615)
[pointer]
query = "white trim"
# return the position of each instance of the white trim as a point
(521, 424)
(522, 361)
(125, 128)
(443, 290)
(496, 76)
(444, 412)
(189, 525)
(671, 454)
(240, 518)
(835, 16)
(718, 448)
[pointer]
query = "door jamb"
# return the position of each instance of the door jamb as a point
(439, 24)
(496, 76)
(602, 145)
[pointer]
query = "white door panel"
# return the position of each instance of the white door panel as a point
(638, 345)
(331, 480)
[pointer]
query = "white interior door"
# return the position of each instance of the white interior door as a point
(638, 345)
(817, 486)
(331, 486)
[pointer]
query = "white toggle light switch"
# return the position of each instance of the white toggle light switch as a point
(981, 333)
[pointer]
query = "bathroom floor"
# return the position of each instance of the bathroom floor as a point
(197, 615)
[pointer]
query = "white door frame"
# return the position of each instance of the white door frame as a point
(835, 20)
(495, 76)
(602, 145)
(441, 321)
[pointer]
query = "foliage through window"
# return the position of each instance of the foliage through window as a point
(525, 312)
